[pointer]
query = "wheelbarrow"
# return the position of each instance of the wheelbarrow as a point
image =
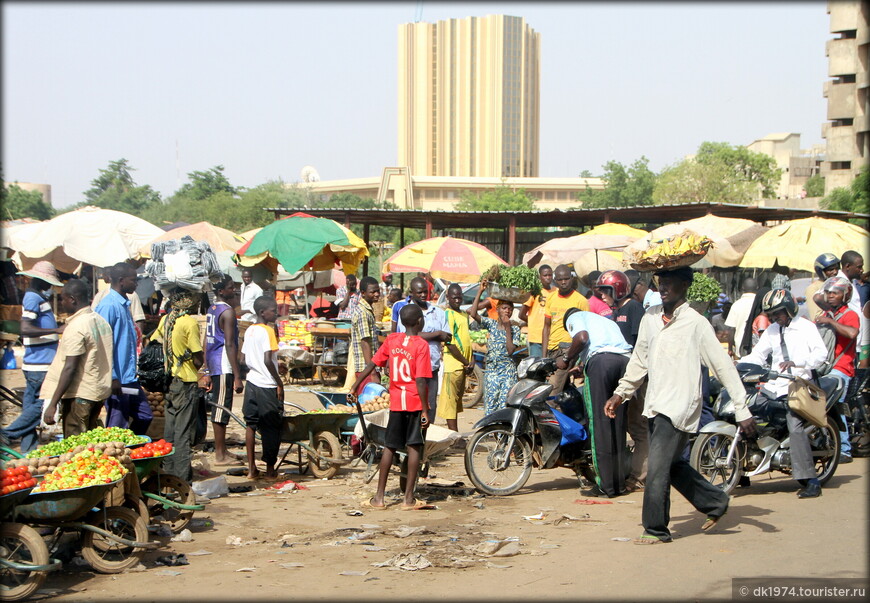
(164, 494)
(24, 560)
(316, 433)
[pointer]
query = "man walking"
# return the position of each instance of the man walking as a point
(363, 337)
(532, 312)
(128, 404)
(555, 340)
(80, 376)
(673, 342)
(249, 294)
(435, 332)
(39, 333)
(739, 314)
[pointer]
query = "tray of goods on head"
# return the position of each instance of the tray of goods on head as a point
(73, 488)
(683, 249)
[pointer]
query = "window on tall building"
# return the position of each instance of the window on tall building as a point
(841, 165)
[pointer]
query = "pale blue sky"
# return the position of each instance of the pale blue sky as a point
(265, 89)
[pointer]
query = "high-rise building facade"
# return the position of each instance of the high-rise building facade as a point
(469, 92)
(847, 131)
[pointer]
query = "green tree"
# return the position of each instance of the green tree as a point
(276, 193)
(586, 174)
(624, 187)
(815, 186)
(501, 198)
(719, 173)
(205, 184)
(115, 189)
(855, 198)
(18, 203)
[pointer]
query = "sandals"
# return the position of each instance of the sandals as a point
(367, 504)
(418, 504)
(645, 540)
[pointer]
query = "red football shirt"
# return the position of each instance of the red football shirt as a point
(408, 359)
(846, 364)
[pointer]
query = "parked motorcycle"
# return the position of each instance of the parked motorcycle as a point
(527, 433)
(857, 408)
(722, 454)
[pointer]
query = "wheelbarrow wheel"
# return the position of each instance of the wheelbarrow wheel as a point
(106, 555)
(325, 443)
(175, 489)
(138, 506)
(21, 544)
(473, 388)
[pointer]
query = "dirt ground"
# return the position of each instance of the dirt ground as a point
(305, 545)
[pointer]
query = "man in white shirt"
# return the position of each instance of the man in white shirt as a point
(249, 293)
(851, 268)
(672, 343)
(797, 348)
(739, 313)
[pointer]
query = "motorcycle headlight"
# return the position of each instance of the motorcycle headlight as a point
(521, 388)
(523, 368)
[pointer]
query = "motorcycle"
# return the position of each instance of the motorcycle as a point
(723, 455)
(527, 433)
(857, 408)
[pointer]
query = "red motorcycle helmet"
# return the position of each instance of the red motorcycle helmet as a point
(617, 281)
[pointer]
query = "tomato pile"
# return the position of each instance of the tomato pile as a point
(17, 478)
(151, 449)
(87, 468)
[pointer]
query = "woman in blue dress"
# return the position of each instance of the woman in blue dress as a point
(501, 341)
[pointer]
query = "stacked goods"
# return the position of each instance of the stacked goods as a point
(89, 467)
(378, 403)
(183, 263)
(682, 249)
(14, 479)
(43, 464)
(152, 449)
(95, 436)
(296, 332)
(157, 403)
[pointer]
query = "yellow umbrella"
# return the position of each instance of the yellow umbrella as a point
(797, 243)
(249, 234)
(615, 228)
(219, 239)
(449, 258)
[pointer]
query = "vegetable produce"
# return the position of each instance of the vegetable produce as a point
(157, 403)
(14, 479)
(521, 277)
(478, 337)
(703, 289)
(152, 449)
(87, 468)
(94, 436)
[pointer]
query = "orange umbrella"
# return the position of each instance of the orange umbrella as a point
(452, 259)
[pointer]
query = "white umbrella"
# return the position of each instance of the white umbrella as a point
(100, 237)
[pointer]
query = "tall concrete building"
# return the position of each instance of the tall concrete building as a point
(847, 131)
(469, 93)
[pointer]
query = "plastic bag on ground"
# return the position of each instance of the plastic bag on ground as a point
(212, 488)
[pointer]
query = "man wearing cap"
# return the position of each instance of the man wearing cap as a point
(39, 333)
(674, 340)
(386, 284)
(128, 401)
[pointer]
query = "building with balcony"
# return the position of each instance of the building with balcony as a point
(847, 131)
(797, 164)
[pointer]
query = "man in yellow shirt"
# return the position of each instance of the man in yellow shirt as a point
(532, 312)
(555, 340)
(182, 350)
(458, 362)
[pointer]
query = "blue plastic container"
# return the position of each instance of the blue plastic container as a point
(371, 391)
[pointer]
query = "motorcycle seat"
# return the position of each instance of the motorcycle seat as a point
(831, 385)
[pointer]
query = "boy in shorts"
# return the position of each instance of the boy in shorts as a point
(407, 356)
(263, 405)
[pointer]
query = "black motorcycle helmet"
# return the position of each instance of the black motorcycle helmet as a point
(780, 299)
(823, 262)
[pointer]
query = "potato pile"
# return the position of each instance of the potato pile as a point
(45, 464)
(378, 403)
(157, 404)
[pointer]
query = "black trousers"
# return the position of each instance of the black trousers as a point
(666, 467)
(603, 372)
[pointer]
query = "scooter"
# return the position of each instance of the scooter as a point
(529, 433)
(722, 454)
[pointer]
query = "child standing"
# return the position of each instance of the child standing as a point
(407, 355)
(264, 392)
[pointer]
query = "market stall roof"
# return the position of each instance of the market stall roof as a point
(657, 214)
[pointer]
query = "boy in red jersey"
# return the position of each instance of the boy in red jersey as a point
(407, 356)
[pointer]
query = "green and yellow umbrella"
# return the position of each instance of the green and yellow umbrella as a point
(303, 242)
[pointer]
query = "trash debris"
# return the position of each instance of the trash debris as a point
(537, 553)
(498, 548)
(247, 569)
(405, 561)
(492, 565)
(138, 568)
(539, 517)
(550, 546)
(372, 578)
(360, 535)
(237, 541)
(592, 501)
(240, 489)
(201, 523)
(370, 526)
(626, 502)
(374, 549)
(199, 553)
(569, 518)
(184, 535)
(286, 486)
(354, 513)
(167, 572)
(160, 531)
(291, 565)
(255, 493)
(479, 505)
(212, 488)
(172, 560)
(405, 531)
(353, 573)
(621, 539)
(79, 562)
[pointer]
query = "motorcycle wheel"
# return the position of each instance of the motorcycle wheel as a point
(708, 457)
(825, 444)
(483, 457)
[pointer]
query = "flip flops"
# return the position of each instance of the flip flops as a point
(645, 540)
(418, 504)
(367, 504)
